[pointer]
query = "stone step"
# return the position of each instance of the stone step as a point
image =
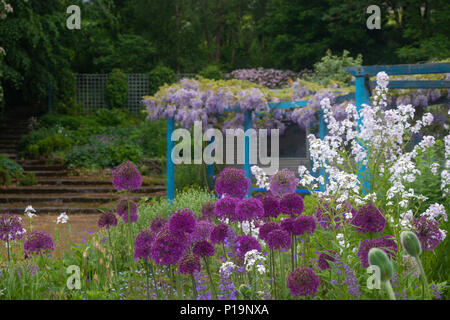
(69, 198)
(79, 181)
(56, 210)
(12, 156)
(47, 173)
(36, 162)
(4, 149)
(43, 167)
(72, 189)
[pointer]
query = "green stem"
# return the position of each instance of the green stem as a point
(388, 287)
(426, 294)
(194, 287)
(210, 278)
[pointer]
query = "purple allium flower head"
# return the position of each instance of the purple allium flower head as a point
(288, 224)
(232, 182)
(125, 207)
(266, 228)
(208, 210)
(157, 224)
(107, 220)
(271, 205)
(182, 221)
(143, 244)
(303, 282)
(324, 258)
(249, 209)
(127, 177)
(292, 204)
(225, 208)
(428, 232)
(203, 249)
(10, 227)
(369, 219)
(279, 239)
(245, 244)
(219, 233)
(203, 229)
(283, 182)
(385, 243)
(190, 264)
(167, 248)
(38, 242)
(303, 224)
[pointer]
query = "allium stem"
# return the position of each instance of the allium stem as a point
(194, 287)
(292, 253)
(224, 251)
(148, 284)
(7, 246)
(425, 291)
(388, 287)
(210, 278)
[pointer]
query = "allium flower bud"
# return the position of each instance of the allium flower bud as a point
(379, 258)
(411, 243)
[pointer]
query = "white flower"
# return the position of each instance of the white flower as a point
(348, 215)
(62, 218)
(261, 269)
(30, 212)
(227, 268)
(434, 168)
(251, 257)
(435, 211)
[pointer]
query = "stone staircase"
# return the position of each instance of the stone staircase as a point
(56, 191)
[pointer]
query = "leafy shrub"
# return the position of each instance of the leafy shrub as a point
(159, 76)
(5, 177)
(116, 89)
(151, 136)
(270, 78)
(11, 167)
(211, 72)
(111, 117)
(330, 68)
(187, 175)
(29, 179)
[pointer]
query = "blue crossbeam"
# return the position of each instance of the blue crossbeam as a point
(416, 84)
(305, 191)
(400, 69)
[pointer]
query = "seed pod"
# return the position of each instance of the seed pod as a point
(411, 243)
(378, 257)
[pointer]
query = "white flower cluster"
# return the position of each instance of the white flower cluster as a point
(30, 212)
(62, 218)
(249, 228)
(435, 211)
(251, 258)
(445, 174)
(227, 268)
(262, 180)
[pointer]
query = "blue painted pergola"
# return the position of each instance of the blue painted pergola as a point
(362, 96)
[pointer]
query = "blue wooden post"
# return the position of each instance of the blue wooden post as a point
(247, 125)
(323, 131)
(170, 164)
(361, 97)
(210, 171)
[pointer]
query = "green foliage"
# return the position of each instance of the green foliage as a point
(330, 68)
(116, 90)
(5, 177)
(159, 76)
(11, 167)
(212, 72)
(29, 179)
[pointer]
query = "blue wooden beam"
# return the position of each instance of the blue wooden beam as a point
(247, 142)
(416, 84)
(400, 69)
(170, 165)
(305, 191)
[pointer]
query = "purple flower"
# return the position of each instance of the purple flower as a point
(157, 224)
(127, 207)
(38, 242)
(232, 182)
(182, 221)
(203, 229)
(219, 233)
(10, 227)
(428, 232)
(385, 243)
(127, 177)
(279, 239)
(283, 182)
(266, 228)
(271, 205)
(107, 220)
(190, 264)
(324, 258)
(369, 219)
(292, 204)
(167, 248)
(203, 249)
(208, 210)
(303, 282)
(143, 243)
(249, 209)
(245, 244)
(288, 224)
(303, 224)
(225, 208)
